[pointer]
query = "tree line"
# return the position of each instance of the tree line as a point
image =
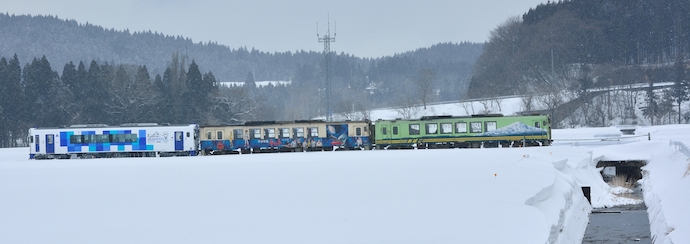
(103, 93)
(62, 41)
(97, 93)
(547, 45)
(577, 46)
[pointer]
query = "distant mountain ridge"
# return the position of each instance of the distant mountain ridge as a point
(62, 41)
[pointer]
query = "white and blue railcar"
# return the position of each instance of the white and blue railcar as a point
(103, 141)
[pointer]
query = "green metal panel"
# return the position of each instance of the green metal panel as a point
(476, 128)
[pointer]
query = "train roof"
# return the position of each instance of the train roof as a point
(126, 125)
(273, 122)
(434, 117)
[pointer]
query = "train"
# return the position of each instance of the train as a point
(491, 130)
(152, 140)
(104, 141)
(426, 132)
(286, 136)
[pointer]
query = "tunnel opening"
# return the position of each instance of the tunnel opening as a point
(630, 170)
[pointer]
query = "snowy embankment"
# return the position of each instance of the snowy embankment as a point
(665, 185)
(410, 196)
(666, 178)
(503, 195)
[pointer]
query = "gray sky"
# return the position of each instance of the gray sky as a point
(365, 28)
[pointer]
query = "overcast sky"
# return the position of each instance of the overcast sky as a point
(365, 28)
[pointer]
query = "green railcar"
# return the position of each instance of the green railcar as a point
(464, 132)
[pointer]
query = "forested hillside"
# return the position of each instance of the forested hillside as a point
(564, 52)
(56, 72)
(62, 41)
(549, 45)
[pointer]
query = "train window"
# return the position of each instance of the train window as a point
(75, 139)
(131, 137)
(395, 130)
(269, 133)
(384, 130)
(219, 135)
(358, 131)
(49, 139)
(91, 138)
(536, 124)
(431, 128)
(414, 129)
(208, 135)
(117, 138)
(313, 131)
(37, 140)
(102, 138)
(188, 134)
(284, 133)
(365, 129)
(178, 135)
(461, 127)
(446, 128)
(299, 132)
(475, 127)
(490, 125)
(88, 138)
(256, 133)
(238, 134)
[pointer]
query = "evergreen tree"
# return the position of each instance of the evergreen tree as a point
(96, 94)
(161, 106)
(15, 115)
(4, 103)
(39, 79)
(679, 91)
(169, 110)
(652, 104)
(69, 75)
(196, 97)
(147, 95)
(249, 82)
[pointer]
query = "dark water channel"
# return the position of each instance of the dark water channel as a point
(626, 224)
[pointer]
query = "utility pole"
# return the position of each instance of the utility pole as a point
(327, 39)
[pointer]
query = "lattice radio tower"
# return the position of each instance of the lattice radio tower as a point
(327, 39)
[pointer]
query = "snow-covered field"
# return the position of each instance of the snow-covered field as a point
(503, 195)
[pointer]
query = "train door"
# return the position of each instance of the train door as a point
(50, 144)
(37, 143)
(179, 141)
(386, 133)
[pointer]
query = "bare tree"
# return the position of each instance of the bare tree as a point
(407, 112)
(551, 99)
(231, 104)
(527, 103)
(487, 106)
(468, 107)
(132, 95)
(497, 101)
(425, 85)
(407, 107)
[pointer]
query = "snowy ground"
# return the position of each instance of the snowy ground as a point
(504, 195)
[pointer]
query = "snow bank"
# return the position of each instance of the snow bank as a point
(666, 179)
(507, 195)
(666, 184)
